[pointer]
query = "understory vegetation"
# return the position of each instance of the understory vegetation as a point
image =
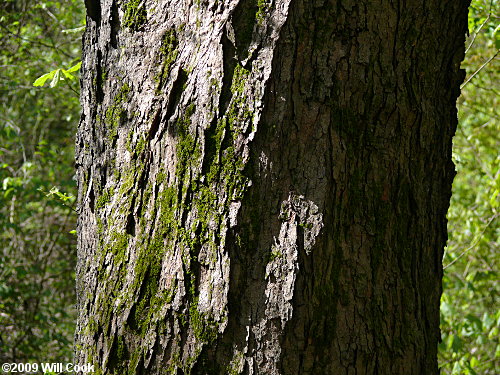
(470, 315)
(37, 190)
(40, 44)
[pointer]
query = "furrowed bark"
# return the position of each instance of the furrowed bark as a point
(263, 185)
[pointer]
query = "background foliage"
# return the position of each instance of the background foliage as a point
(470, 316)
(37, 127)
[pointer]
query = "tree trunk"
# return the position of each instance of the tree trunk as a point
(263, 185)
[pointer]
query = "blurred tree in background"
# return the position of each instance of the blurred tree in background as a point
(37, 251)
(470, 316)
(37, 126)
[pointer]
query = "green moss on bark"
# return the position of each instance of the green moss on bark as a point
(116, 112)
(263, 6)
(135, 14)
(105, 197)
(168, 54)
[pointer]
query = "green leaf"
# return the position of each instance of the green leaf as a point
(493, 333)
(496, 36)
(8, 192)
(475, 320)
(471, 370)
(457, 369)
(75, 67)
(68, 75)
(488, 320)
(56, 78)
(40, 81)
(456, 344)
(474, 362)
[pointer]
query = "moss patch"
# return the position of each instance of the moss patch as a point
(263, 7)
(168, 55)
(105, 197)
(135, 15)
(115, 114)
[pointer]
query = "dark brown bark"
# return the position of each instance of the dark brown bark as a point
(263, 185)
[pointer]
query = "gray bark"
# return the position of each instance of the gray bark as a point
(263, 185)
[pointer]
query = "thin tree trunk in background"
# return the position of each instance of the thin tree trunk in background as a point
(263, 185)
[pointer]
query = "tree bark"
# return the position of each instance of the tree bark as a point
(263, 185)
